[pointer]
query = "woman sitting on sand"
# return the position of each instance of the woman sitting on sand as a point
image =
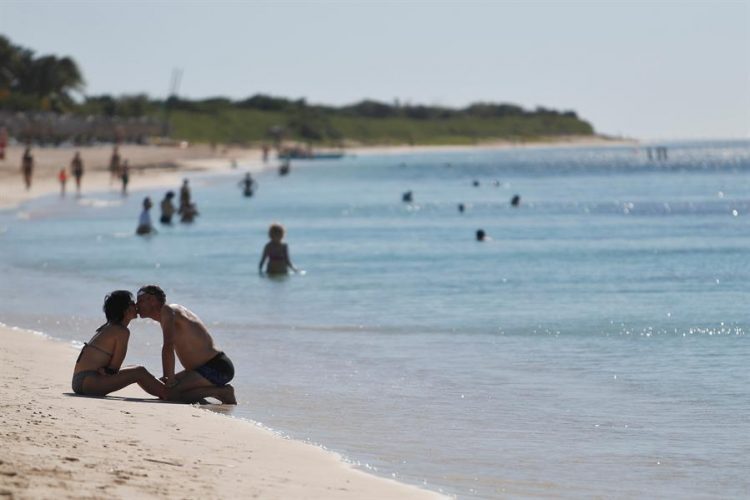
(97, 370)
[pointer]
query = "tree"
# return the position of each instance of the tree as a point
(48, 79)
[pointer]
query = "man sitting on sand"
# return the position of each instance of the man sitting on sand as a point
(207, 370)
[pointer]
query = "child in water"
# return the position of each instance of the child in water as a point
(276, 252)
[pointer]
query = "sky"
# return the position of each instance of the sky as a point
(642, 69)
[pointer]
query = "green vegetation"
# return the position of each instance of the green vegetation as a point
(36, 83)
(368, 122)
(29, 83)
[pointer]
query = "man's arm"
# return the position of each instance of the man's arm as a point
(167, 348)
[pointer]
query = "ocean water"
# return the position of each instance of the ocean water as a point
(595, 346)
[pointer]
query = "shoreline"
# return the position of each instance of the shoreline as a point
(130, 444)
(543, 142)
(165, 166)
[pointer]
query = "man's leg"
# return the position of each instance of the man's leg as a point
(225, 394)
(192, 387)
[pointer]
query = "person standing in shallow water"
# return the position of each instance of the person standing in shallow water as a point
(144, 221)
(248, 185)
(208, 370)
(97, 370)
(167, 208)
(188, 210)
(125, 176)
(27, 167)
(276, 253)
(185, 198)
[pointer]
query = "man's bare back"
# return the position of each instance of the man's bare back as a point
(192, 342)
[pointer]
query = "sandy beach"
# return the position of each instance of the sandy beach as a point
(542, 142)
(128, 445)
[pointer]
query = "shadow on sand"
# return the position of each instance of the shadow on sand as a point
(137, 400)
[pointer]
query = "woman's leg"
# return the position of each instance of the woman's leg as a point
(101, 385)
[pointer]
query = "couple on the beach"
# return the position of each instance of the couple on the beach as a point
(207, 370)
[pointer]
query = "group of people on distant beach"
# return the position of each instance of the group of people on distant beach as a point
(207, 370)
(118, 168)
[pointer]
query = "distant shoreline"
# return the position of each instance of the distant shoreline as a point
(165, 166)
(542, 142)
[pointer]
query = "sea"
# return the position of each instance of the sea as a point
(595, 344)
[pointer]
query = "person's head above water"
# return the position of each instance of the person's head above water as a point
(116, 305)
(147, 203)
(276, 232)
(170, 195)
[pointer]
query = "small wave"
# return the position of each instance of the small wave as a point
(26, 330)
(98, 203)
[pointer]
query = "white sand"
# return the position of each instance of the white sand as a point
(57, 445)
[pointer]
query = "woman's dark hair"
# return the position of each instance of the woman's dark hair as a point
(115, 305)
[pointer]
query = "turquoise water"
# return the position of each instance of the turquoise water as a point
(595, 346)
